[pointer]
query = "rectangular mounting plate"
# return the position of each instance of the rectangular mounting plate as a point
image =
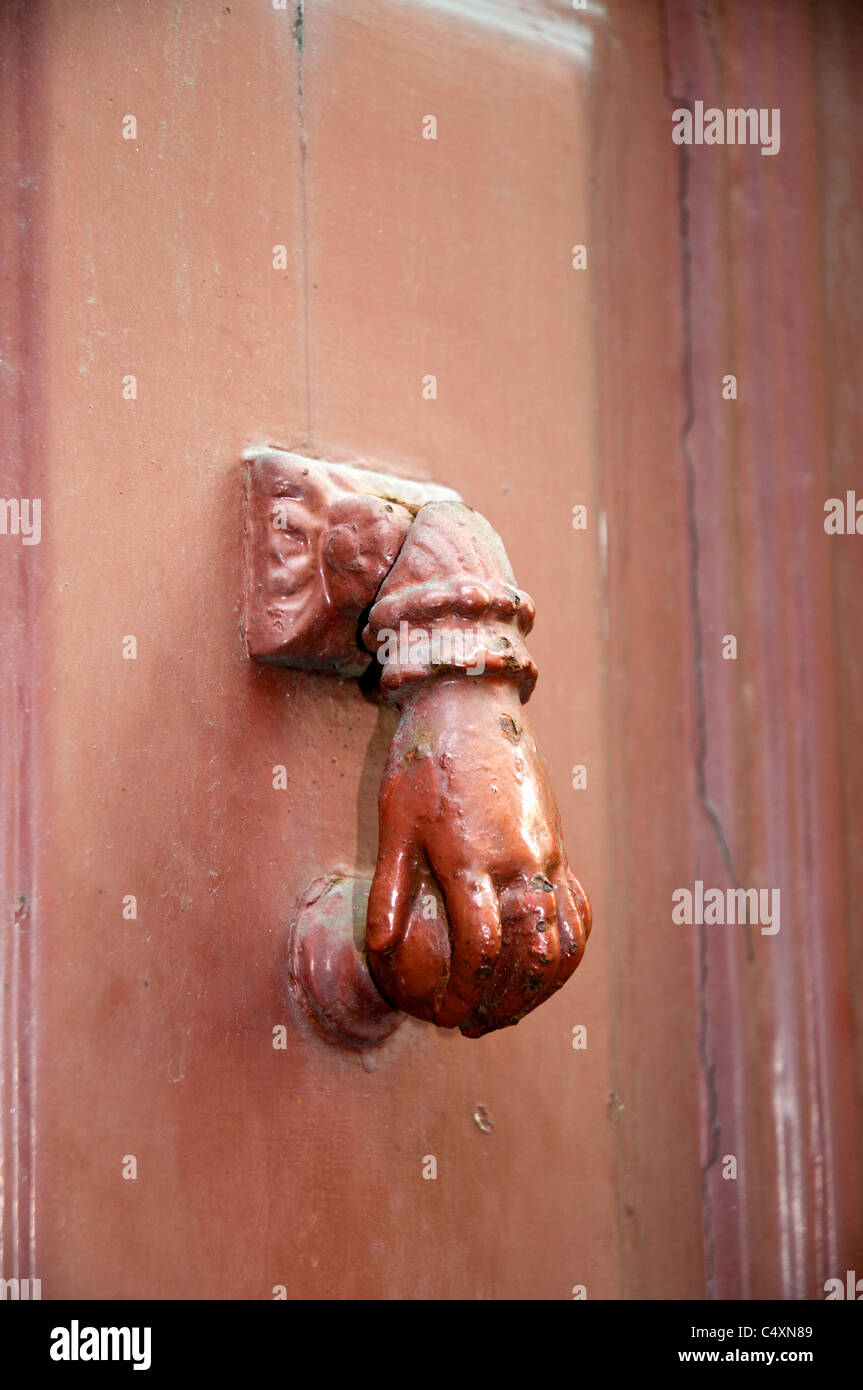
(320, 539)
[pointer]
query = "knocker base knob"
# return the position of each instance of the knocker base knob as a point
(327, 964)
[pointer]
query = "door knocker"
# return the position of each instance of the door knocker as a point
(473, 917)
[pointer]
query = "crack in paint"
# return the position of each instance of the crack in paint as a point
(707, 1062)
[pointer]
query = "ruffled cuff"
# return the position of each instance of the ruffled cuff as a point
(450, 604)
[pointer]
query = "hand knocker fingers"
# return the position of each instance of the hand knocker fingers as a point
(530, 956)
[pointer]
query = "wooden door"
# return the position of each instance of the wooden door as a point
(236, 225)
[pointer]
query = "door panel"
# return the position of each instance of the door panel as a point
(157, 257)
(301, 1167)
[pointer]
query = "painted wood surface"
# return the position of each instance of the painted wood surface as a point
(407, 258)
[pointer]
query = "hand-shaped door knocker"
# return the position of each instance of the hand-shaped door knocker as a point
(473, 916)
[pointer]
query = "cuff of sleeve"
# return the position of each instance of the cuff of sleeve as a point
(411, 652)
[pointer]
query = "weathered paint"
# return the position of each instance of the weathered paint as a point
(556, 387)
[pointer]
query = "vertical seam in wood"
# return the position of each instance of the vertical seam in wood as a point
(706, 1063)
(299, 26)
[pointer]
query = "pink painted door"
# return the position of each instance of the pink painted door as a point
(352, 229)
